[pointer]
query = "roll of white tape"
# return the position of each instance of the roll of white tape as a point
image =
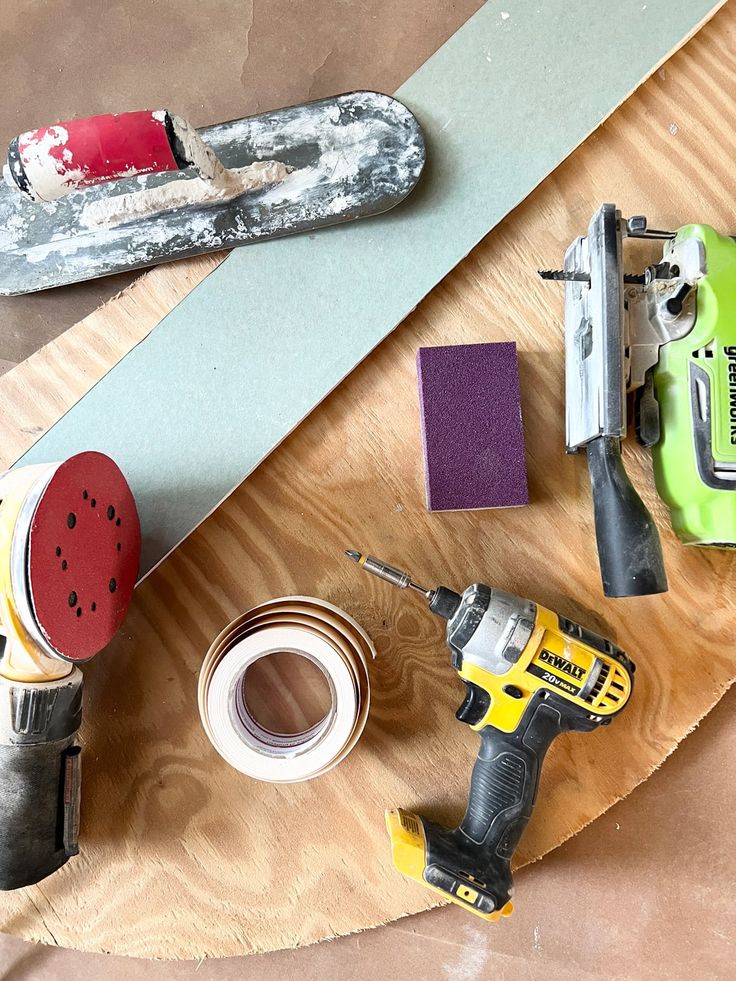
(301, 625)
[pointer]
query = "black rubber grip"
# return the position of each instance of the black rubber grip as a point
(40, 773)
(39, 807)
(629, 549)
(504, 783)
(476, 856)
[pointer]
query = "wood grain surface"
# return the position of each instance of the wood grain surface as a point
(182, 856)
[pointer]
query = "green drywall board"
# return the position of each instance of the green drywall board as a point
(191, 410)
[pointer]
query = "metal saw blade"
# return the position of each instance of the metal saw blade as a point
(352, 155)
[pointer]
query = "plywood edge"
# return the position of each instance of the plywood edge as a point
(35, 394)
(431, 901)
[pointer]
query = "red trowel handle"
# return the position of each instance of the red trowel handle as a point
(48, 163)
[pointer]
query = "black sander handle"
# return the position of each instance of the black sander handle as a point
(629, 549)
(40, 777)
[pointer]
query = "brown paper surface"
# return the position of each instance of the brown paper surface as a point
(605, 160)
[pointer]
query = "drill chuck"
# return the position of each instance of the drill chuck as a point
(444, 602)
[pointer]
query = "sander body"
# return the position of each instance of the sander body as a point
(69, 555)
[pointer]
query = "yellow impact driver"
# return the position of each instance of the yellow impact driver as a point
(530, 675)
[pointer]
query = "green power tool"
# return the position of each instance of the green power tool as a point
(669, 336)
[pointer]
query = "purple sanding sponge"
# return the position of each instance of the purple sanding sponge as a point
(471, 427)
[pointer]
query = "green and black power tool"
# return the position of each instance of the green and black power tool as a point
(530, 675)
(669, 336)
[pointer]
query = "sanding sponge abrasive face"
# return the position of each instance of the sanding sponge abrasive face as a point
(471, 426)
(83, 555)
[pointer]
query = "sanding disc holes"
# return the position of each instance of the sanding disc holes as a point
(71, 522)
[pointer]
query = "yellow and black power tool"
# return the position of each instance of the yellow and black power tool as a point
(70, 543)
(530, 675)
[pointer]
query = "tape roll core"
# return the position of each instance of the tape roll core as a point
(299, 625)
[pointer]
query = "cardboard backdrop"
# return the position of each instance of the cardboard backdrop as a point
(182, 856)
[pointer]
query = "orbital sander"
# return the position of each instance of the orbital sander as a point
(70, 545)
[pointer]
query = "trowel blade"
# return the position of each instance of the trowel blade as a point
(351, 155)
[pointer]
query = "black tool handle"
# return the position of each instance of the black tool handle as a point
(40, 776)
(505, 778)
(39, 807)
(473, 862)
(629, 549)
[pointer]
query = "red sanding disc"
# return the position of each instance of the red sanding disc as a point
(83, 553)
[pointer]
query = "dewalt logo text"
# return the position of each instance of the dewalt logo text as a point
(562, 664)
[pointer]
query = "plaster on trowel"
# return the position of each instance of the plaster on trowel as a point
(96, 196)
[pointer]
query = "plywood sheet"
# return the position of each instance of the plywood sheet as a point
(193, 859)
